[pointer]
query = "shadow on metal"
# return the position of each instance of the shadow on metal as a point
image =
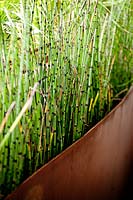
(97, 166)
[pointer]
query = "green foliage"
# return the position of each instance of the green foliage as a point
(64, 65)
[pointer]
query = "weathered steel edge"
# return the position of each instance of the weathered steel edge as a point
(90, 132)
(68, 150)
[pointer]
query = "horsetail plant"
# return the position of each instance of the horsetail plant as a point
(63, 66)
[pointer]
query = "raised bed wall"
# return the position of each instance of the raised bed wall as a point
(97, 166)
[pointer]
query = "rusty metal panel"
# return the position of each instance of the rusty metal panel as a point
(95, 167)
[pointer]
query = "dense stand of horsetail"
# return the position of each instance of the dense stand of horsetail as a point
(64, 64)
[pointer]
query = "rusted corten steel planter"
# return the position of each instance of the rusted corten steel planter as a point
(97, 166)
